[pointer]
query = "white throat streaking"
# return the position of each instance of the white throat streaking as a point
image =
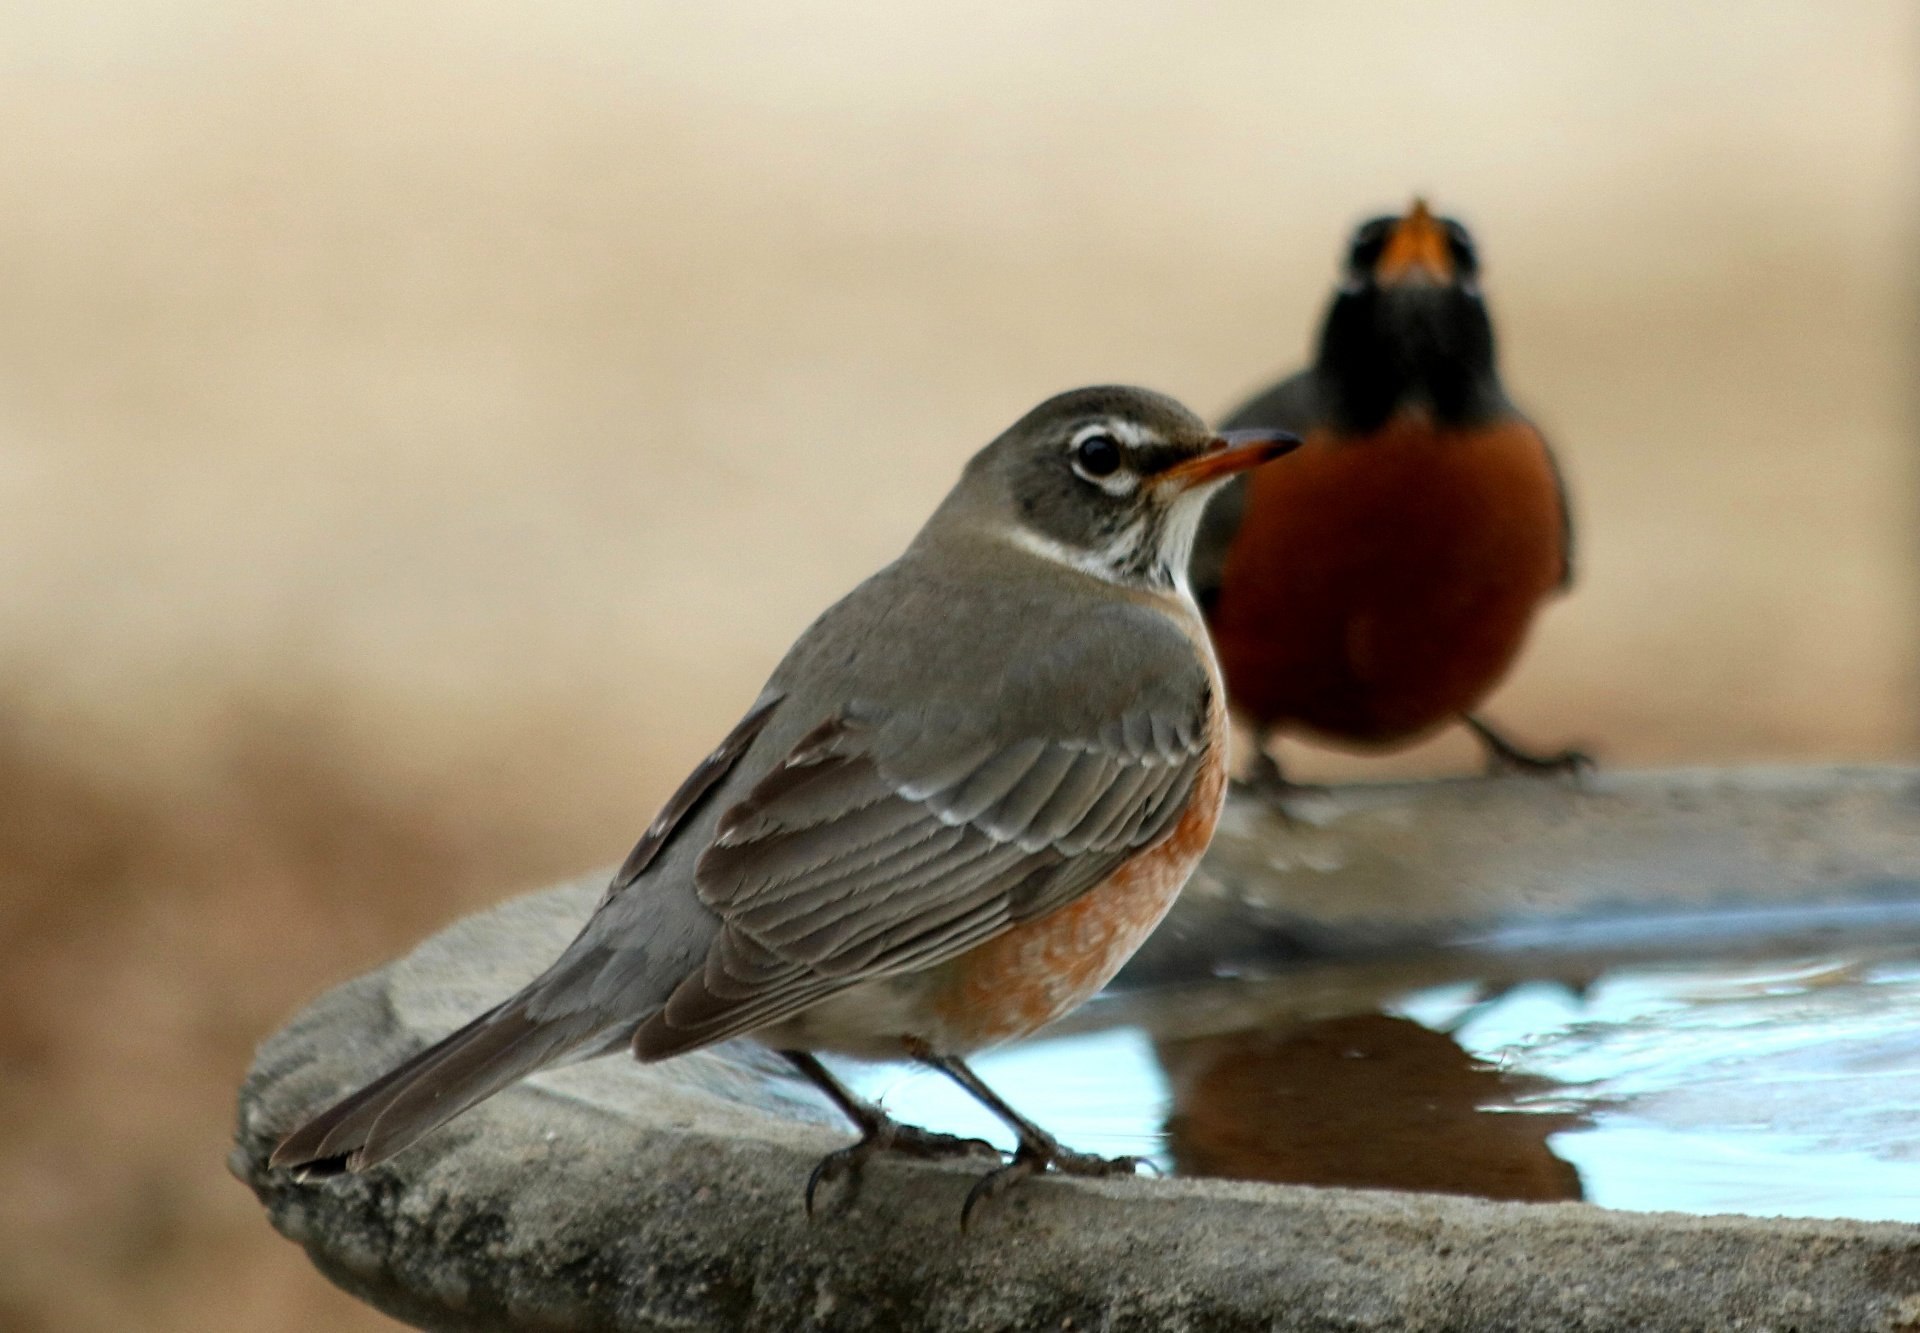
(1143, 554)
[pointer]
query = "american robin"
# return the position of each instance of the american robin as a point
(963, 799)
(1381, 584)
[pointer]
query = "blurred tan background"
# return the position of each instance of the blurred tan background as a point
(421, 429)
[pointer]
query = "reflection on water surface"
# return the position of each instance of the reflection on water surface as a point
(1788, 1086)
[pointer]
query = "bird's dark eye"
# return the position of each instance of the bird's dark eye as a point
(1368, 241)
(1097, 456)
(1460, 246)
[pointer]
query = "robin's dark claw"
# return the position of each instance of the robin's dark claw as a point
(1037, 1155)
(1504, 757)
(879, 1132)
(1264, 780)
(996, 1182)
(887, 1135)
(845, 1162)
(1038, 1149)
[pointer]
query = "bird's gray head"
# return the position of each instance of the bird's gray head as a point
(1109, 480)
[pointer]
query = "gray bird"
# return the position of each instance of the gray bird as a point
(965, 796)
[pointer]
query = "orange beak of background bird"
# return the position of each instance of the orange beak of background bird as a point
(1233, 451)
(1418, 244)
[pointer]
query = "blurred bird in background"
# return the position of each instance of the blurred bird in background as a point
(1382, 585)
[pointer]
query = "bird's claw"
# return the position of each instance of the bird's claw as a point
(1277, 790)
(1504, 757)
(1034, 1157)
(1565, 763)
(889, 1136)
(1264, 781)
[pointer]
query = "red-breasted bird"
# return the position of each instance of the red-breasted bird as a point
(1380, 585)
(963, 799)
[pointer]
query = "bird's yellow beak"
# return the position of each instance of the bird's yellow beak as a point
(1417, 247)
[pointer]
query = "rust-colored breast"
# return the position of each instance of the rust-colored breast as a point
(1381, 586)
(1020, 981)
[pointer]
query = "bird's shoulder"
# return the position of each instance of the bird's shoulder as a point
(943, 659)
(995, 637)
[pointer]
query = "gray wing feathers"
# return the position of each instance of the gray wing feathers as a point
(991, 780)
(877, 847)
(1013, 814)
(691, 792)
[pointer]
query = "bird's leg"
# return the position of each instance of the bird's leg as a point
(1487, 994)
(1038, 1149)
(1265, 778)
(879, 1132)
(1503, 756)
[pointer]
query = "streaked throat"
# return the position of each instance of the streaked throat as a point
(1151, 552)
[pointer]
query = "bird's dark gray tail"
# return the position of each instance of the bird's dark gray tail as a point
(396, 1110)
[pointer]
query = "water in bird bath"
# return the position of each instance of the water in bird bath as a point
(1785, 1086)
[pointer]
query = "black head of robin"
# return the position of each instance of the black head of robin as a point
(961, 801)
(1382, 584)
(1408, 325)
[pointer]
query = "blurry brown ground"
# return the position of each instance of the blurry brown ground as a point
(418, 436)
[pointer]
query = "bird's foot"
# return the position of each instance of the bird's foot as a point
(1041, 1153)
(1562, 763)
(1505, 758)
(883, 1134)
(1264, 781)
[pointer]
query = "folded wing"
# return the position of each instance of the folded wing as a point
(878, 847)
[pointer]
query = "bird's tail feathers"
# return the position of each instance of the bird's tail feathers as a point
(393, 1112)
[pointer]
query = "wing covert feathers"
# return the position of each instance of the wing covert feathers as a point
(866, 853)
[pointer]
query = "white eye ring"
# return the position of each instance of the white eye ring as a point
(1099, 458)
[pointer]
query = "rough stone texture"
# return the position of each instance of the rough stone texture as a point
(615, 1196)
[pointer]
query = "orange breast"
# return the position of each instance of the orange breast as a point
(1020, 981)
(1380, 586)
